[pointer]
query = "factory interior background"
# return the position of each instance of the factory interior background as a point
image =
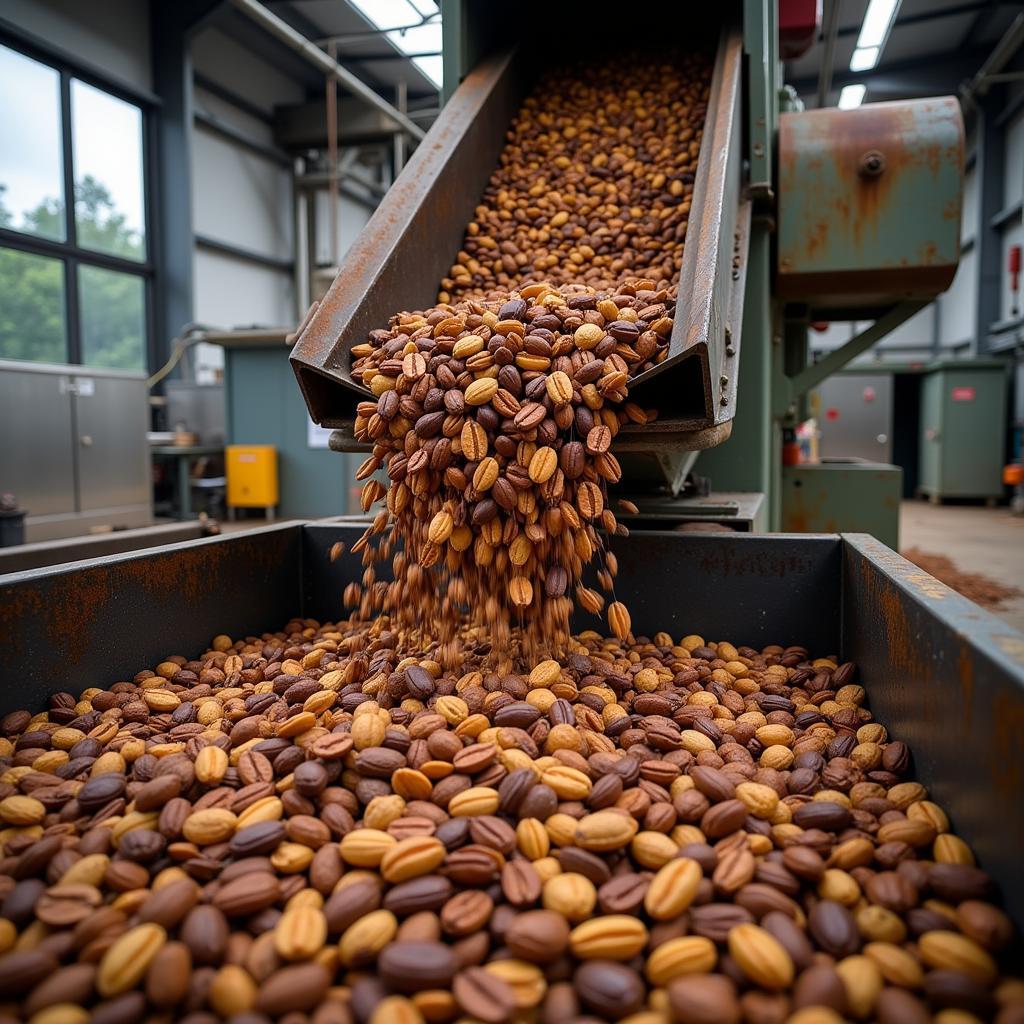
(179, 182)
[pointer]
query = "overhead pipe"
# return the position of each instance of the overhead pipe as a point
(300, 44)
(995, 62)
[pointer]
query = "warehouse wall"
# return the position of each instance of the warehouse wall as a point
(1013, 192)
(239, 197)
(351, 219)
(111, 34)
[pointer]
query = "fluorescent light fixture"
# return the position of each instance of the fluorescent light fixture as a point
(852, 96)
(878, 20)
(388, 15)
(865, 58)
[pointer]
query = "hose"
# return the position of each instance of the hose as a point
(190, 334)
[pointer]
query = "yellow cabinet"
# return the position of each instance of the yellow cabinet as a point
(252, 475)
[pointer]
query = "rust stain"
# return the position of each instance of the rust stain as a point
(802, 516)
(68, 623)
(965, 675)
(1006, 767)
(71, 606)
(817, 238)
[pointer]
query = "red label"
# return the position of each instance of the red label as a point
(832, 414)
(963, 394)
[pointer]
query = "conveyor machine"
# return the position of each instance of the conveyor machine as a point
(818, 214)
(862, 216)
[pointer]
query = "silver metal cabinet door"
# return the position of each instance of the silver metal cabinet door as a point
(36, 454)
(856, 418)
(112, 418)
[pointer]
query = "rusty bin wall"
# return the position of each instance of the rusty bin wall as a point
(399, 259)
(940, 673)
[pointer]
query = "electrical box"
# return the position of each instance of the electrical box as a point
(869, 203)
(841, 495)
(252, 475)
(963, 430)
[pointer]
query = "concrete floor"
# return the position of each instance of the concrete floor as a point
(976, 539)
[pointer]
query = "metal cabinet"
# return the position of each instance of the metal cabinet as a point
(73, 447)
(113, 459)
(855, 416)
(963, 430)
(37, 462)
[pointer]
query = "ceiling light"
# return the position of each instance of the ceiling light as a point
(852, 96)
(864, 58)
(878, 20)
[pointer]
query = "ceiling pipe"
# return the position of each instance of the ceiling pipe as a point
(831, 34)
(994, 64)
(300, 44)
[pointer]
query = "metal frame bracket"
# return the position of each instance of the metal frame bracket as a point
(787, 389)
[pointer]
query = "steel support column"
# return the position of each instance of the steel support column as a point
(171, 27)
(990, 148)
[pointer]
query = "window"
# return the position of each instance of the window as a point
(75, 274)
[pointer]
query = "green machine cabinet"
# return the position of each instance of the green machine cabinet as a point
(963, 423)
(265, 407)
(842, 495)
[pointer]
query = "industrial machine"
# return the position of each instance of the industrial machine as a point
(923, 653)
(82, 461)
(860, 222)
(837, 495)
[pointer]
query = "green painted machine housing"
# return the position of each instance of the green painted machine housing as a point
(869, 203)
(265, 407)
(963, 423)
(827, 496)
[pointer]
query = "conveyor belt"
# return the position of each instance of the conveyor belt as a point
(408, 245)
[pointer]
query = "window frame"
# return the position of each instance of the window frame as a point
(69, 252)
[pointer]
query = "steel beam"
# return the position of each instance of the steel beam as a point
(246, 255)
(937, 72)
(231, 134)
(790, 388)
(932, 14)
(171, 29)
(990, 145)
(280, 29)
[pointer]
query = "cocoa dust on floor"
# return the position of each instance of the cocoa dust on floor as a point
(975, 586)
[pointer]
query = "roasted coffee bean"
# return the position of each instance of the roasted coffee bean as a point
(833, 928)
(484, 996)
(707, 999)
(539, 936)
(417, 966)
(609, 989)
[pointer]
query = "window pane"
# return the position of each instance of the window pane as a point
(31, 169)
(32, 308)
(113, 318)
(107, 141)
